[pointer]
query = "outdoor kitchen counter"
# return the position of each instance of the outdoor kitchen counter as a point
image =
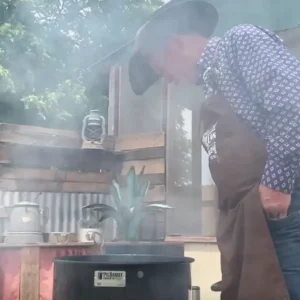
(46, 245)
(26, 270)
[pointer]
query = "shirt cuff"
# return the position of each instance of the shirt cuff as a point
(278, 177)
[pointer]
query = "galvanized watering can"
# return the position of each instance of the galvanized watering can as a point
(27, 221)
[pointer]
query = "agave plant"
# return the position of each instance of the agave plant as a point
(89, 224)
(130, 207)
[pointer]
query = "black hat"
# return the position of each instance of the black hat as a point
(141, 75)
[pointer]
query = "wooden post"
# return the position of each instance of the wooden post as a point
(30, 273)
(113, 108)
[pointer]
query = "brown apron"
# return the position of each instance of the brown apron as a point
(250, 269)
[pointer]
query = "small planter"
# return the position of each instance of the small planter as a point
(90, 235)
(145, 248)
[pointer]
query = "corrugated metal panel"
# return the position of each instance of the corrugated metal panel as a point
(64, 208)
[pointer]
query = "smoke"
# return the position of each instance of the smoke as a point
(46, 47)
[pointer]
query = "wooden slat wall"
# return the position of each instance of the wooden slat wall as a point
(138, 114)
(147, 150)
(138, 151)
(32, 135)
(45, 137)
(140, 139)
(47, 158)
(42, 180)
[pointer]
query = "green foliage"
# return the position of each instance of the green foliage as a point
(89, 223)
(46, 48)
(55, 103)
(130, 207)
(6, 81)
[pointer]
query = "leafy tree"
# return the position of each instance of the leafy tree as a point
(46, 47)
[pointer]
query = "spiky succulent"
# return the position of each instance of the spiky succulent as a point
(89, 224)
(130, 206)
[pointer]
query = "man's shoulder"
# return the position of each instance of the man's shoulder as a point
(250, 32)
(242, 29)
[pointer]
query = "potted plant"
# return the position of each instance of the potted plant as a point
(129, 211)
(90, 231)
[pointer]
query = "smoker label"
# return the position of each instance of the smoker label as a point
(110, 279)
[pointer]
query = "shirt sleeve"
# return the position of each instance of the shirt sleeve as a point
(271, 76)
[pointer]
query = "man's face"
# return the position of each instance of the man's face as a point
(176, 62)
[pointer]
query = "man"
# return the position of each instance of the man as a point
(260, 80)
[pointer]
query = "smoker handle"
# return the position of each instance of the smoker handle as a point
(194, 293)
(217, 286)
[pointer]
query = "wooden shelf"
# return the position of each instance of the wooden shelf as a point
(192, 239)
(46, 245)
(42, 180)
(36, 159)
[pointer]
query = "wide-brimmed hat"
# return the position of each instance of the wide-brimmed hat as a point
(141, 75)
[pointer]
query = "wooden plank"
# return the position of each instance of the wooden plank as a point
(191, 239)
(53, 186)
(36, 130)
(147, 153)
(39, 174)
(85, 187)
(113, 107)
(156, 193)
(209, 193)
(53, 175)
(32, 135)
(196, 153)
(139, 141)
(138, 114)
(88, 177)
(155, 179)
(58, 158)
(152, 166)
(46, 137)
(171, 218)
(30, 273)
(105, 145)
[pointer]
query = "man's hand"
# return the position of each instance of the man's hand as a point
(275, 203)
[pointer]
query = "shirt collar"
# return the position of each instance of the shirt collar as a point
(208, 56)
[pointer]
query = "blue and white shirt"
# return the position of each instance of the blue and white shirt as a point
(261, 80)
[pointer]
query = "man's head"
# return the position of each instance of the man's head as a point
(170, 44)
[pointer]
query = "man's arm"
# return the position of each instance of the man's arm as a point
(272, 79)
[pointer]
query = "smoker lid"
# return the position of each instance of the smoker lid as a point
(125, 259)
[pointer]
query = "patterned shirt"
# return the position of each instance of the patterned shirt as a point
(261, 81)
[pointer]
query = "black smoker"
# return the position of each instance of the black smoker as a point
(122, 277)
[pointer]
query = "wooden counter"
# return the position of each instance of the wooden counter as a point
(26, 271)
